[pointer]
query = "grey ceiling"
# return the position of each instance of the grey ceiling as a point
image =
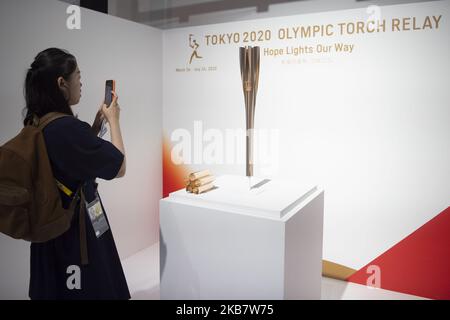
(166, 14)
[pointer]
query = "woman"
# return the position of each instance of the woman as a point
(77, 157)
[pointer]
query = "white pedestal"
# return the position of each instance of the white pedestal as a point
(236, 243)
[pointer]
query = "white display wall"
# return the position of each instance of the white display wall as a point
(369, 123)
(106, 47)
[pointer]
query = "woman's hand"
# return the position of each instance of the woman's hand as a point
(112, 112)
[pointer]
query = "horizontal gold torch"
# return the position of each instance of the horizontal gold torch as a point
(249, 60)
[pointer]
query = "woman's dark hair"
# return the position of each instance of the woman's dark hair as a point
(42, 94)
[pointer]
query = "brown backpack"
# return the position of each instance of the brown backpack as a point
(30, 204)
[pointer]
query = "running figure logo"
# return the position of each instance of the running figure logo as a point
(194, 45)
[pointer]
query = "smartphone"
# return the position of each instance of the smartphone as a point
(109, 86)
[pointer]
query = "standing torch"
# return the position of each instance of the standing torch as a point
(249, 60)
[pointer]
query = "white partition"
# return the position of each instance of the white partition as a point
(369, 124)
(106, 47)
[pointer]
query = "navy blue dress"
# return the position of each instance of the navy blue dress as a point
(78, 156)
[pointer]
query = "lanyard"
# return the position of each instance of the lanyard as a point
(64, 189)
(82, 223)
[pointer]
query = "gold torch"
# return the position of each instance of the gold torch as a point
(249, 60)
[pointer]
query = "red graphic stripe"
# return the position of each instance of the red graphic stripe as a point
(419, 264)
(173, 175)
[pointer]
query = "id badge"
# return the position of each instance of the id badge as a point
(97, 216)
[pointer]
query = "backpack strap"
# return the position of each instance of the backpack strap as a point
(79, 195)
(83, 235)
(49, 117)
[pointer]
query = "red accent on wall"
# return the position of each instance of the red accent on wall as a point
(419, 264)
(173, 175)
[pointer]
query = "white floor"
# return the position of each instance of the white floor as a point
(142, 273)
